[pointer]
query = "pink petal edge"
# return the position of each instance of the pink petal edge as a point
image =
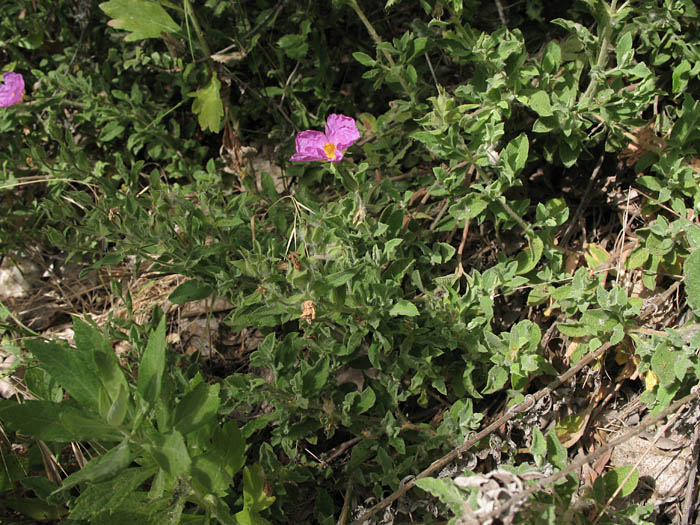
(342, 130)
(309, 146)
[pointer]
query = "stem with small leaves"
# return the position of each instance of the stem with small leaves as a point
(189, 13)
(604, 38)
(510, 211)
(378, 40)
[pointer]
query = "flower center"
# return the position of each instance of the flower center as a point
(329, 150)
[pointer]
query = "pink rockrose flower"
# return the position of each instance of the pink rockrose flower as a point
(12, 89)
(341, 133)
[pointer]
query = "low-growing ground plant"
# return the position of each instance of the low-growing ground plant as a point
(348, 262)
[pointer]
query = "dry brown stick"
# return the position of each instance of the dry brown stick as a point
(584, 200)
(577, 464)
(650, 307)
(690, 487)
(346, 504)
(441, 212)
(342, 448)
(633, 470)
(460, 250)
(529, 402)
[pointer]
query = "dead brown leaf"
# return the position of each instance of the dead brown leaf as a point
(308, 311)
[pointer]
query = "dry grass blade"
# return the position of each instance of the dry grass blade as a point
(51, 464)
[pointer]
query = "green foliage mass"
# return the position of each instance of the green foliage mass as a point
(392, 298)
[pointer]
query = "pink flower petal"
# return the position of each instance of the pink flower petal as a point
(12, 89)
(342, 131)
(310, 146)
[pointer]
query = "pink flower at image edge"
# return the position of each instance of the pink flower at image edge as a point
(12, 89)
(341, 133)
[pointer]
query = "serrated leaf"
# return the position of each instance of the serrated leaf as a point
(391, 245)
(544, 125)
(568, 154)
(358, 403)
(207, 472)
(442, 252)
(623, 48)
(39, 419)
(141, 18)
(651, 182)
(99, 498)
(470, 207)
(597, 320)
(404, 308)
(72, 370)
(208, 106)
(446, 491)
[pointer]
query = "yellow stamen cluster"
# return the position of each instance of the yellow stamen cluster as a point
(329, 150)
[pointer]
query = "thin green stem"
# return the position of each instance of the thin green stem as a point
(604, 38)
(378, 40)
(189, 13)
(41, 179)
(510, 211)
(19, 323)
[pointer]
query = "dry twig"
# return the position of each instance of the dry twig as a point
(589, 458)
(528, 403)
(584, 201)
(689, 501)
